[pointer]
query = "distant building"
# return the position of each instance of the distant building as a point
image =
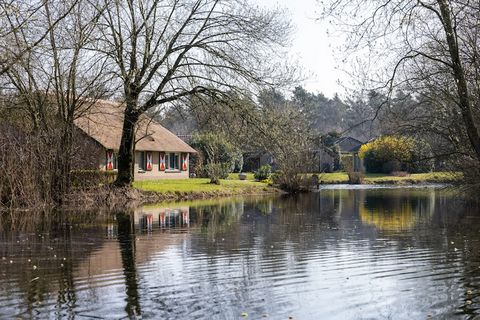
(351, 146)
(159, 153)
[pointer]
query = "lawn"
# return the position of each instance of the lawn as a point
(234, 176)
(200, 185)
(378, 178)
(233, 186)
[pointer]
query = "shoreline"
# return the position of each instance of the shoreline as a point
(127, 198)
(384, 179)
(156, 191)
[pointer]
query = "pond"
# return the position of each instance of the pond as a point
(336, 254)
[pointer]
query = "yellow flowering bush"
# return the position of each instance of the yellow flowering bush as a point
(387, 154)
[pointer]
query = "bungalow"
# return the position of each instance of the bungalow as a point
(350, 146)
(159, 154)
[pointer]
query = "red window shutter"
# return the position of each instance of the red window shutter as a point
(109, 165)
(184, 161)
(162, 161)
(149, 165)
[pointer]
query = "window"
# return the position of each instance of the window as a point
(142, 162)
(173, 161)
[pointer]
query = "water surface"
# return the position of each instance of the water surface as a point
(336, 254)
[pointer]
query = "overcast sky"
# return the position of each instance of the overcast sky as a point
(311, 46)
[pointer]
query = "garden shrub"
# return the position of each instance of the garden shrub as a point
(291, 181)
(388, 153)
(353, 177)
(214, 149)
(216, 171)
(263, 173)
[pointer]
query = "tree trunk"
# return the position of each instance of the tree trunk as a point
(126, 156)
(459, 75)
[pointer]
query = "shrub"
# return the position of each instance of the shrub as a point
(355, 177)
(86, 178)
(263, 173)
(217, 171)
(387, 154)
(291, 181)
(215, 149)
(238, 162)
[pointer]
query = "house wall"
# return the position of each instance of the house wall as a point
(156, 173)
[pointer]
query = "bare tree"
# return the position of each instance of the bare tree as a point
(428, 47)
(17, 15)
(166, 51)
(57, 81)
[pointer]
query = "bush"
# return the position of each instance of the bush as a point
(355, 177)
(217, 171)
(391, 153)
(263, 173)
(215, 149)
(86, 178)
(238, 162)
(291, 181)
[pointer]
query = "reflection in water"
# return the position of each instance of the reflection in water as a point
(396, 210)
(126, 240)
(345, 254)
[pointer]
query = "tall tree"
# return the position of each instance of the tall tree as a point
(166, 51)
(57, 80)
(429, 47)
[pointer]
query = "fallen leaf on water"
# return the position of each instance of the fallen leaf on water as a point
(244, 314)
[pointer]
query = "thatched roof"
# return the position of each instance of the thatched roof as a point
(104, 121)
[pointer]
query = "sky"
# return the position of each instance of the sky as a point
(311, 46)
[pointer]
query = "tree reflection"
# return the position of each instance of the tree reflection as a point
(126, 240)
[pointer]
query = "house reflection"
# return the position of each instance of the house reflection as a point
(112, 230)
(149, 218)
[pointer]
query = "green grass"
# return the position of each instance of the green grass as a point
(234, 186)
(234, 176)
(378, 178)
(200, 185)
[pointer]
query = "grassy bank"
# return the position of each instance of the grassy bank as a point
(202, 188)
(377, 178)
